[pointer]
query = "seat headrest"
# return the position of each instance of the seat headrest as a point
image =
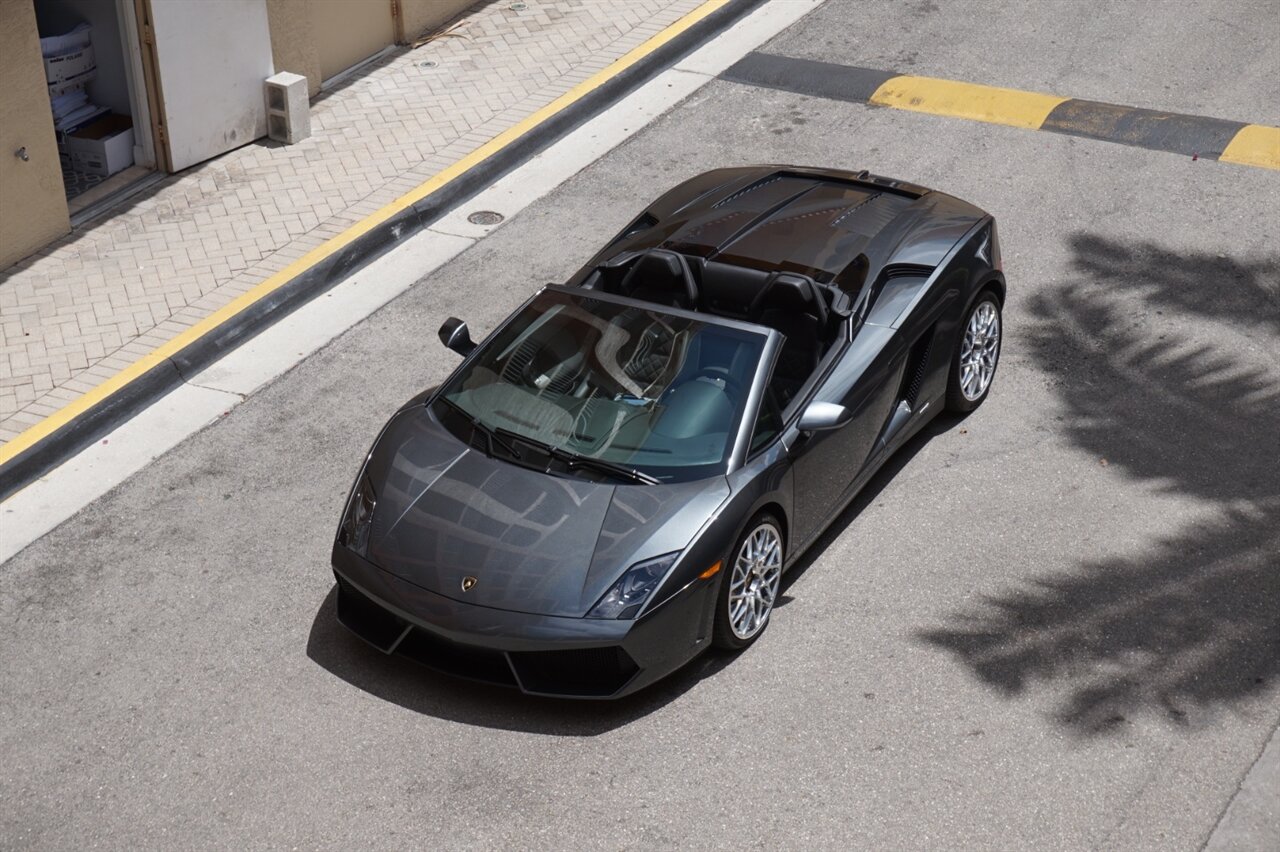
(657, 265)
(789, 292)
(661, 271)
(730, 290)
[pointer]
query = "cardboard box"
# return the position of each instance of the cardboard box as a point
(78, 66)
(102, 147)
(56, 89)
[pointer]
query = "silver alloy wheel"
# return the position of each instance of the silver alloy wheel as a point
(979, 351)
(753, 585)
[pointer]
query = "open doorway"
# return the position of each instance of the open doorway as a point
(98, 97)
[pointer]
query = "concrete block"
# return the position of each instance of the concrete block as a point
(288, 108)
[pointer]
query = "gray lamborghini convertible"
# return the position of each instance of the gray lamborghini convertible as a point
(617, 477)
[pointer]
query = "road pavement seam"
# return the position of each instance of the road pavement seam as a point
(58, 436)
(1196, 136)
(1251, 820)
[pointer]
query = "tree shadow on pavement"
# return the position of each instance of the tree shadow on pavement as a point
(1241, 291)
(1193, 624)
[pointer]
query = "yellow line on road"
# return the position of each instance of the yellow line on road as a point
(1254, 145)
(966, 100)
(86, 401)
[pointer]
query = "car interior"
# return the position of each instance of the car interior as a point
(615, 382)
(810, 316)
(648, 388)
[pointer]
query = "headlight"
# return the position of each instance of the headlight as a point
(354, 532)
(629, 593)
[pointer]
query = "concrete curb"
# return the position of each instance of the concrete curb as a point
(126, 402)
(1197, 136)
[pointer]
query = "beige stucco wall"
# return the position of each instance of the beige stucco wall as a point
(293, 40)
(419, 16)
(33, 204)
(347, 33)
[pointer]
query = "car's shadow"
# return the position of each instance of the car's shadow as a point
(417, 688)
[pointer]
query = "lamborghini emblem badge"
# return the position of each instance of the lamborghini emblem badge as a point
(468, 583)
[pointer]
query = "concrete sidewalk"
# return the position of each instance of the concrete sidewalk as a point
(91, 304)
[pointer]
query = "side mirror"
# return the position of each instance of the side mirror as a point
(820, 416)
(454, 334)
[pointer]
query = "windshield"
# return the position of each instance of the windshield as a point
(631, 386)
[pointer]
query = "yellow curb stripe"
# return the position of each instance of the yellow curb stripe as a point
(86, 401)
(1254, 145)
(966, 100)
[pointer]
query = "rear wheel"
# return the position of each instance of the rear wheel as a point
(750, 584)
(973, 366)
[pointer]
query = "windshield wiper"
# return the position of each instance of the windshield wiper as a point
(572, 460)
(491, 435)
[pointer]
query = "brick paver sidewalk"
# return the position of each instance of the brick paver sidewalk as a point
(105, 295)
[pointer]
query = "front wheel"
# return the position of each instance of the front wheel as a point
(973, 366)
(750, 586)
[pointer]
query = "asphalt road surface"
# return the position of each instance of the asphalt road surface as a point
(1054, 624)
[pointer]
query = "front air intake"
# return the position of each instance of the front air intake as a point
(381, 629)
(453, 658)
(584, 672)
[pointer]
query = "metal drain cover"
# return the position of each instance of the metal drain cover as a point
(485, 217)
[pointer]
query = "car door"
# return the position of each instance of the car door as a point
(826, 464)
(879, 379)
(925, 328)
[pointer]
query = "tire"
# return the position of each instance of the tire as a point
(976, 355)
(749, 584)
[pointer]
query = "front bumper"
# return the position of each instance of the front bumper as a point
(538, 654)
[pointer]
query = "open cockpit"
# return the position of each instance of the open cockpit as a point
(811, 316)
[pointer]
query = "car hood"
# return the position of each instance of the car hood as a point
(533, 542)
